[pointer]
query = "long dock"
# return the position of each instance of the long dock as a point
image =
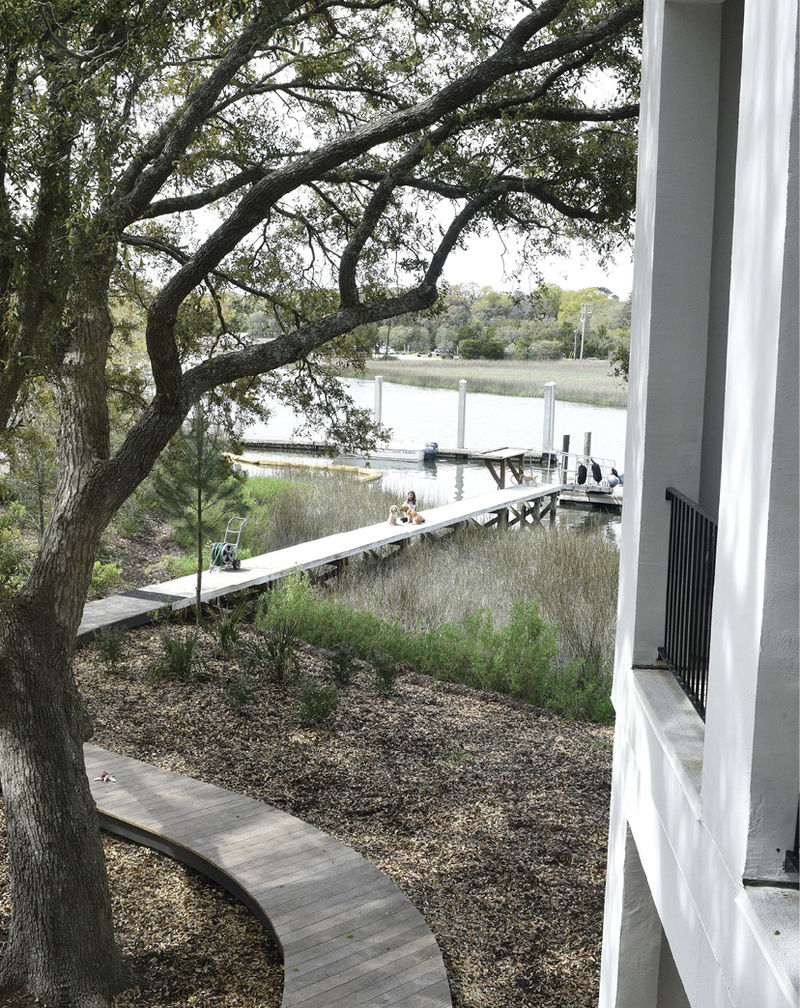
(530, 502)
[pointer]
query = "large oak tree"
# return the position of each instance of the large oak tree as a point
(323, 156)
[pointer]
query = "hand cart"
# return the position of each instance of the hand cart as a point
(223, 554)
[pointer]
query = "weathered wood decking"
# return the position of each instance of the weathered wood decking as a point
(349, 936)
(141, 605)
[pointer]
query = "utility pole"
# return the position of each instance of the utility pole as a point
(586, 311)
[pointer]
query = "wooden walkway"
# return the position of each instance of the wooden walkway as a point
(530, 502)
(349, 937)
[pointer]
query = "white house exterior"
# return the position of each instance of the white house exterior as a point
(700, 904)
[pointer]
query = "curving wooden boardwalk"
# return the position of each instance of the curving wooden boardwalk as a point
(349, 936)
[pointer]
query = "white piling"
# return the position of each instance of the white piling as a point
(378, 398)
(548, 428)
(462, 411)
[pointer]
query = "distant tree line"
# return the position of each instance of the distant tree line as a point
(478, 322)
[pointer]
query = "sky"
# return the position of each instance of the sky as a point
(484, 263)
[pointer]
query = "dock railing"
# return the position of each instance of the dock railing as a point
(690, 594)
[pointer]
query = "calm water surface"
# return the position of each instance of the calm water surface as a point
(418, 415)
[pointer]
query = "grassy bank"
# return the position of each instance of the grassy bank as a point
(530, 614)
(586, 381)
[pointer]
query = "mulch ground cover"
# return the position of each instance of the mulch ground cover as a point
(490, 815)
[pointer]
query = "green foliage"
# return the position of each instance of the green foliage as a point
(278, 644)
(385, 667)
(239, 692)
(176, 659)
(316, 703)
(106, 577)
(12, 552)
(343, 658)
(473, 615)
(194, 483)
(516, 659)
(483, 324)
(226, 623)
(621, 358)
(109, 648)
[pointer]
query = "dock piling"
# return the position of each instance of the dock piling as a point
(462, 411)
(378, 398)
(548, 426)
(564, 458)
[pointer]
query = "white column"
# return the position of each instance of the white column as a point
(462, 411)
(378, 411)
(674, 237)
(548, 426)
(750, 771)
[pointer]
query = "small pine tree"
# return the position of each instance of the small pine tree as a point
(195, 481)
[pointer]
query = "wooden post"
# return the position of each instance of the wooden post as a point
(587, 444)
(462, 411)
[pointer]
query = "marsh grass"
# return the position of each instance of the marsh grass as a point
(586, 381)
(572, 575)
(528, 613)
(284, 512)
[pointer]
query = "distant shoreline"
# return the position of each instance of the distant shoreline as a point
(586, 381)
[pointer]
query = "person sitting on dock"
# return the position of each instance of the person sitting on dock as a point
(411, 502)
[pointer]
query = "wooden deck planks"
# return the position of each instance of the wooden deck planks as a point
(350, 938)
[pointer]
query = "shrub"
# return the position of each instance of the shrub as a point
(239, 691)
(109, 648)
(278, 647)
(342, 663)
(226, 624)
(316, 703)
(385, 667)
(176, 659)
(12, 554)
(105, 578)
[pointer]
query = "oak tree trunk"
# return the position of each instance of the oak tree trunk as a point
(61, 941)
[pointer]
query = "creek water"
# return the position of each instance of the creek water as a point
(419, 415)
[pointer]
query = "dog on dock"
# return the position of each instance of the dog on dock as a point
(395, 517)
(411, 515)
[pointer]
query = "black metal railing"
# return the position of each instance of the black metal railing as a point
(690, 592)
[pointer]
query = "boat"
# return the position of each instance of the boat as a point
(397, 453)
